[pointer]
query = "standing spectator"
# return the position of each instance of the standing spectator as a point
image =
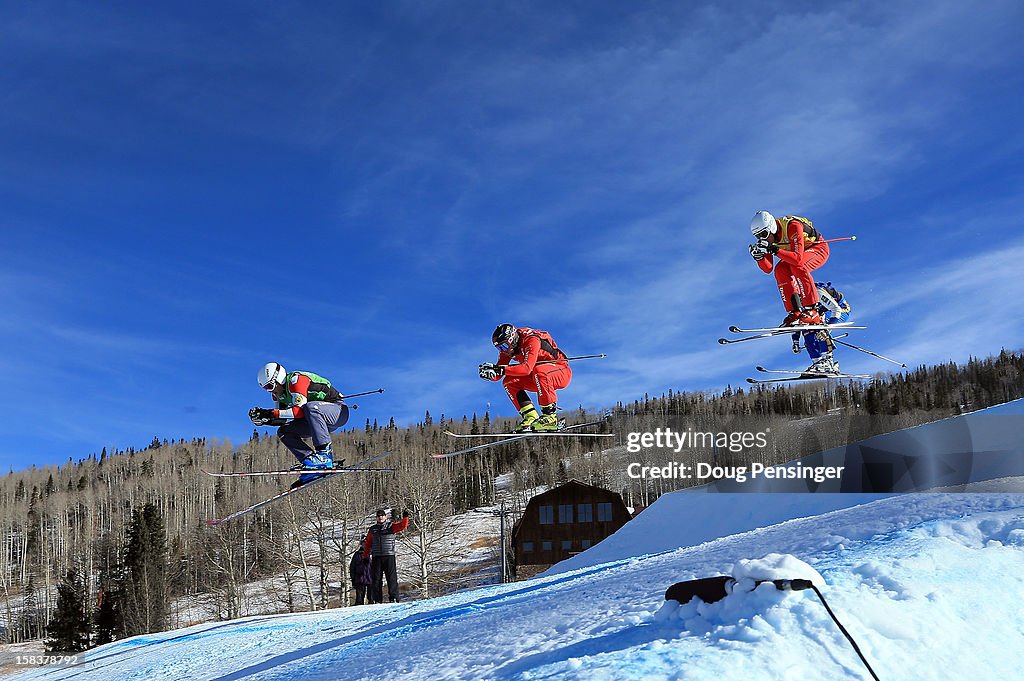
(359, 572)
(380, 543)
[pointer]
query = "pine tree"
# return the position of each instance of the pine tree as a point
(28, 621)
(108, 618)
(146, 594)
(70, 628)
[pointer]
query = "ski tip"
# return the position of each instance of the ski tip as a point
(723, 341)
(761, 369)
(214, 523)
(734, 329)
(751, 380)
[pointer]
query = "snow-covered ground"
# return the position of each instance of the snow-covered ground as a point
(929, 585)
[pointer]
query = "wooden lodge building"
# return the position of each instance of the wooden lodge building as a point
(562, 522)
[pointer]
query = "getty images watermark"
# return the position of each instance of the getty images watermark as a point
(676, 441)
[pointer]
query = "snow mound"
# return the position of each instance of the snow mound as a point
(775, 566)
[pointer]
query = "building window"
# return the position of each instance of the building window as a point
(567, 544)
(565, 513)
(547, 515)
(585, 513)
(527, 547)
(604, 512)
(585, 544)
(545, 545)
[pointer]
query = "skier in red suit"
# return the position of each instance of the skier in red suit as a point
(542, 368)
(799, 249)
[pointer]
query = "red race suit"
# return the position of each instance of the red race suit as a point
(801, 249)
(544, 379)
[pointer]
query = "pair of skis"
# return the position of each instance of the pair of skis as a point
(803, 375)
(772, 331)
(360, 467)
(799, 375)
(498, 439)
(790, 375)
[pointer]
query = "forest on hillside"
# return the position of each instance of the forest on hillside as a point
(119, 538)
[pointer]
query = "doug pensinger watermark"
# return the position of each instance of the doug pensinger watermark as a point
(725, 442)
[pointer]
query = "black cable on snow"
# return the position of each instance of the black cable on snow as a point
(845, 632)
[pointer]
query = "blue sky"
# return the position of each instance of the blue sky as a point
(365, 190)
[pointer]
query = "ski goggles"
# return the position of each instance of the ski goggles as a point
(504, 346)
(270, 386)
(763, 234)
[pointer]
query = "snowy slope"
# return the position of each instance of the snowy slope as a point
(928, 584)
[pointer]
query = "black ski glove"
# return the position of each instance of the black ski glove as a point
(260, 416)
(491, 372)
(405, 514)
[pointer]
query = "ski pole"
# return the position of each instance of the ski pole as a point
(797, 347)
(866, 351)
(368, 392)
(567, 359)
(839, 238)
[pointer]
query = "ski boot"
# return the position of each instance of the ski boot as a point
(320, 459)
(801, 316)
(826, 364)
(796, 344)
(530, 415)
(809, 315)
(548, 422)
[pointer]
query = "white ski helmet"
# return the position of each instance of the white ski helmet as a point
(763, 222)
(271, 375)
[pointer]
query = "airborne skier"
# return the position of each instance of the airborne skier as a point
(833, 309)
(308, 406)
(799, 249)
(542, 368)
(813, 311)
